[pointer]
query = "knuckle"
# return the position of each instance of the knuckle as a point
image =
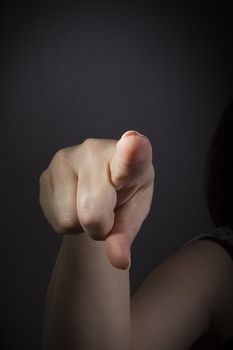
(43, 176)
(66, 220)
(59, 161)
(89, 141)
(91, 220)
(65, 158)
(92, 149)
(119, 180)
(150, 176)
(92, 146)
(59, 156)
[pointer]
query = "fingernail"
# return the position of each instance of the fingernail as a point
(131, 132)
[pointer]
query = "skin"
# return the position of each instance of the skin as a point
(97, 195)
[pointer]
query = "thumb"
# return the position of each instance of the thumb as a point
(131, 159)
(128, 220)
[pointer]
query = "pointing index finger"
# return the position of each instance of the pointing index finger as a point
(131, 161)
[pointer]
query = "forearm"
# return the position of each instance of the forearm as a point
(88, 300)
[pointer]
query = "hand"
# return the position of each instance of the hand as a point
(102, 187)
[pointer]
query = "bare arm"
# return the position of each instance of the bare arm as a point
(102, 187)
(88, 303)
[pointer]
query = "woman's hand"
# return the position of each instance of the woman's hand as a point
(103, 187)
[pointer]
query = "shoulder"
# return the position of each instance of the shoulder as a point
(216, 281)
(206, 266)
(191, 292)
(222, 235)
(211, 259)
(216, 248)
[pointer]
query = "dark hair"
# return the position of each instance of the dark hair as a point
(218, 178)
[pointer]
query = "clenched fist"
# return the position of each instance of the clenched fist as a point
(102, 187)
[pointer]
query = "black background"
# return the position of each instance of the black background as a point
(78, 70)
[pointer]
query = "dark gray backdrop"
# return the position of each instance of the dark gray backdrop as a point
(97, 70)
